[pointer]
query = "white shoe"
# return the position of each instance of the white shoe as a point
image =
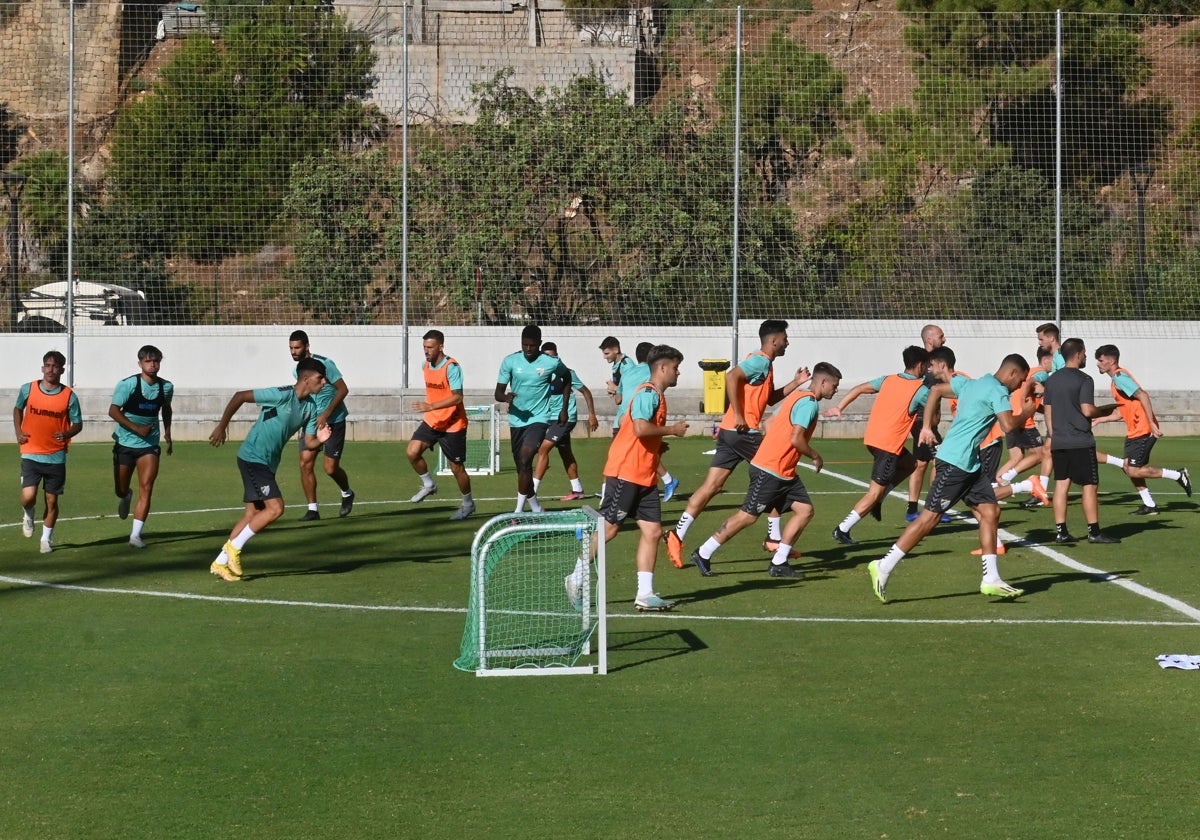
(424, 493)
(26, 525)
(137, 542)
(45, 547)
(463, 512)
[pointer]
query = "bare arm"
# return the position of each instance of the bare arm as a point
(933, 407)
(735, 378)
(844, 403)
(167, 414)
(592, 422)
(455, 398)
(802, 441)
(18, 418)
(501, 396)
(140, 429)
(235, 402)
(341, 390)
(803, 374)
(1148, 407)
(646, 429)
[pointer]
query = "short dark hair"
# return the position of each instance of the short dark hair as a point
(436, 335)
(1043, 352)
(149, 351)
(532, 331)
(1016, 360)
(1071, 348)
(943, 354)
(826, 369)
(661, 352)
(310, 364)
(549, 347)
(610, 343)
(299, 335)
(1049, 329)
(642, 352)
(1109, 350)
(771, 326)
(914, 355)
(56, 356)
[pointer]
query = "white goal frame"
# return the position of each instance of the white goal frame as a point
(477, 416)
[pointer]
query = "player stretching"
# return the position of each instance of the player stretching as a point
(1141, 429)
(631, 483)
(444, 423)
(750, 386)
(283, 411)
(45, 418)
(958, 476)
(331, 404)
(137, 402)
(774, 485)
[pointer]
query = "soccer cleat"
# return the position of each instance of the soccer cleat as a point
(1038, 492)
(1000, 589)
(878, 581)
(223, 572)
(773, 546)
(1000, 549)
(347, 505)
(877, 511)
(1185, 481)
(123, 505)
(45, 547)
(1064, 537)
(26, 525)
(1103, 539)
(674, 549)
(653, 603)
(669, 489)
(784, 570)
(235, 557)
(424, 493)
(1032, 502)
(946, 517)
(310, 516)
(911, 517)
(136, 542)
(574, 589)
(1145, 510)
(705, 566)
(841, 536)
(573, 496)
(463, 512)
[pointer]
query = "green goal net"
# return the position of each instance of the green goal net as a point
(533, 608)
(483, 442)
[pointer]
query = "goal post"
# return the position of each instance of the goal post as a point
(483, 442)
(520, 615)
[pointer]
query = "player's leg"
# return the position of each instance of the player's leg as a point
(308, 481)
(30, 478)
(987, 514)
(147, 473)
(648, 511)
(334, 448)
(567, 453)
(422, 440)
(796, 499)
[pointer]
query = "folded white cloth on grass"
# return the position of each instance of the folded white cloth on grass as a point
(1178, 660)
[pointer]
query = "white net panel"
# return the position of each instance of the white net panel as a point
(483, 442)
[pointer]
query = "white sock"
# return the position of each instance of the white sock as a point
(849, 522)
(29, 511)
(990, 573)
(47, 533)
(685, 522)
(891, 560)
(312, 505)
(223, 558)
(467, 500)
(1173, 475)
(1025, 486)
(1046, 483)
(1008, 475)
(138, 524)
(645, 583)
(244, 537)
(576, 485)
(537, 482)
(667, 478)
(773, 531)
(535, 505)
(1114, 461)
(709, 548)
(781, 554)
(1147, 499)
(521, 499)
(427, 480)
(347, 493)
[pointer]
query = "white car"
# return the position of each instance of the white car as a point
(44, 308)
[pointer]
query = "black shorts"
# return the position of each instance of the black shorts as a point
(560, 433)
(53, 477)
(951, 484)
(770, 492)
(1024, 439)
(889, 465)
(258, 483)
(337, 440)
(1076, 465)
(921, 451)
(989, 460)
(624, 498)
(1137, 450)
(528, 438)
(733, 447)
(453, 444)
(127, 456)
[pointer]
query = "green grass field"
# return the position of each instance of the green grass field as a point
(143, 698)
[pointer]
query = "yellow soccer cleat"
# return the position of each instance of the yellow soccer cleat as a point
(223, 572)
(235, 557)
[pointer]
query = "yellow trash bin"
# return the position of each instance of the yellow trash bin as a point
(714, 384)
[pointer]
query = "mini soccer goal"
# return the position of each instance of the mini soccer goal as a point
(533, 607)
(483, 442)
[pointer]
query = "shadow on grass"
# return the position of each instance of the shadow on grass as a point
(656, 646)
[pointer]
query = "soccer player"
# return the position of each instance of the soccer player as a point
(525, 384)
(558, 435)
(45, 418)
(444, 423)
(633, 377)
(630, 483)
(959, 476)
(283, 411)
(137, 403)
(1069, 404)
(750, 386)
(774, 484)
(331, 404)
(619, 363)
(1141, 429)
(932, 338)
(901, 396)
(1025, 445)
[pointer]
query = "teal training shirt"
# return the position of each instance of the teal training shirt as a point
(280, 415)
(325, 396)
(530, 385)
(979, 401)
(572, 406)
(633, 376)
(127, 388)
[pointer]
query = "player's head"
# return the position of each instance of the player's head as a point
(550, 349)
(772, 334)
(1047, 335)
(1045, 357)
(1108, 358)
(53, 365)
(431, 345)
(915, 356)
(932, 336)
(663, 361)
(611, 348)
(310, 376)
(298, 345)
(531, 341)
(1074, 352)
(825, 380)
(1013, 371)
(642, 352)
(942, 360)
(148, 352)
